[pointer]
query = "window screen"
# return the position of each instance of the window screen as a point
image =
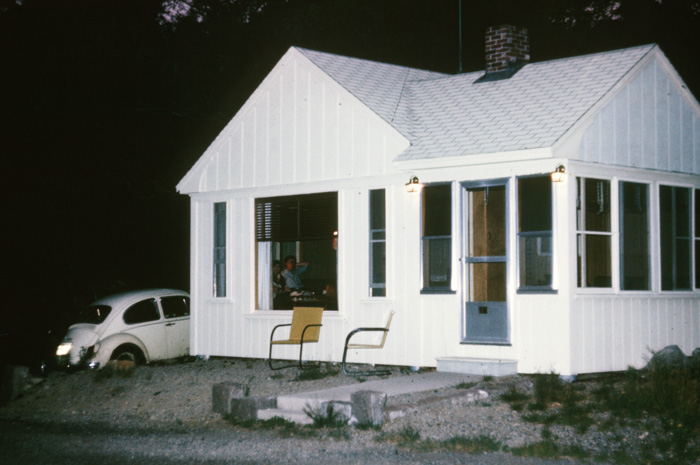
(437, 237)
(535, 232)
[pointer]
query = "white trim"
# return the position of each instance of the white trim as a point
(480, 159)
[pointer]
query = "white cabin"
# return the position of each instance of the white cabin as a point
(490, 265)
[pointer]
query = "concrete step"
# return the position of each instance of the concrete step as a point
(296, 416)
(477, 366)
(292, 406)
(299, 402)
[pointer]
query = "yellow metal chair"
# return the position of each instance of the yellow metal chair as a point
(384, 330)
(305, 328)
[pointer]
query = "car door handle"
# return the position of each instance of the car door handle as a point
(170, 324)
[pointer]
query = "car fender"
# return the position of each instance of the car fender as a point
(110, 343)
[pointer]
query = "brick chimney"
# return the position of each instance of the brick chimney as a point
(507, 48)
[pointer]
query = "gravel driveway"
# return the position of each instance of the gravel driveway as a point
(171, 403)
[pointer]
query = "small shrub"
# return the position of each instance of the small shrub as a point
(542, 449)
(514, 395)
(549, 388)
(475, 445)
(314, 373)
(329, 418)
(406, 436)
(465, 385)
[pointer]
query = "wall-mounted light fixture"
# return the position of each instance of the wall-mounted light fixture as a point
(558, 174)
(413, 185)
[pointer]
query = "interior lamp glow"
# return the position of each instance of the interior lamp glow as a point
(413, 185)
(558, 174)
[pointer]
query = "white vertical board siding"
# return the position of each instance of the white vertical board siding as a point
(650, 124)
(299, 126)
(616, 332)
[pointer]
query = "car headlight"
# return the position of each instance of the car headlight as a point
(64, 349)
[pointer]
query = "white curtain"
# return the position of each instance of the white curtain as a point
(265, 275)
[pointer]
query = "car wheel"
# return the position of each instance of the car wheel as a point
(129, 353)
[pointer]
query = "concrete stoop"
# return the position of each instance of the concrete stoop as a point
(298, 417)
(478, 366)
(292, 406)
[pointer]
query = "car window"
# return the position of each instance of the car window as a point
(93, 314)
(146, 310)
(175, 306)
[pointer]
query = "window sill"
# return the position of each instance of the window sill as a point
(499, 344)
(525, 291)
(437, 292)
(267, 314)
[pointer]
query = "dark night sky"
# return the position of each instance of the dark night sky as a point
(104, 108)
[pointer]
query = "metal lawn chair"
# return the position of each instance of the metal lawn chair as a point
(305, 329)
(348, 345)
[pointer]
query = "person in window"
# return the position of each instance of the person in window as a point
(292, 274)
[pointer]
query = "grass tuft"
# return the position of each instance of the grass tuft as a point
(315, 373)
(328, 418)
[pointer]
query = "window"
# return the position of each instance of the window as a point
(175, 306)
(219, 249)
(304, 227)
(437, 237)
(634, 237)
(594, 233)
(674, 219)
(535, 232)
(142, 312)
(377, 243)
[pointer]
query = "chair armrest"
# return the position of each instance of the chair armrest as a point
(358, 330)
(307, 327)
(275, 329)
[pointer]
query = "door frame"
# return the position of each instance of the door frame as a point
(464, 186)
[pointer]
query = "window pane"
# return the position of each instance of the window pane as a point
(437, 210)
(175, 307)
(634, 236)
(535, 231)
(535, 203)
(220, 249)
(437, 258)
(146, 310)
(377, 238)
(598, 263)
(295, 218)
(535, 259)
(674, 217)
(377, 202)
(488, 282)
(437, 236)
(487, 214)
(596, 203)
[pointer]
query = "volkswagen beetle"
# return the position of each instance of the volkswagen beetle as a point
(136, 326)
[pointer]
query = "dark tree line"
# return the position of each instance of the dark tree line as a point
(107, 103)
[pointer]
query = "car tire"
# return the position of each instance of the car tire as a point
(130, 353)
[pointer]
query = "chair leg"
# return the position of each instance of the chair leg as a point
(377, 372)
(269, 362)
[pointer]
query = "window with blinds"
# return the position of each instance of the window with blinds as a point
(297, 218)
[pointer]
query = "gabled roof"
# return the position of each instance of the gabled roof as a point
(380, 86)
(451, 115)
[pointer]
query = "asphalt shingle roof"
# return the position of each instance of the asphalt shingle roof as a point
(451, 115)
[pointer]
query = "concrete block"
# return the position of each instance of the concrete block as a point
(369, 407)
(342, 410)
(14, 379)
(246, 408)
(223, 393)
